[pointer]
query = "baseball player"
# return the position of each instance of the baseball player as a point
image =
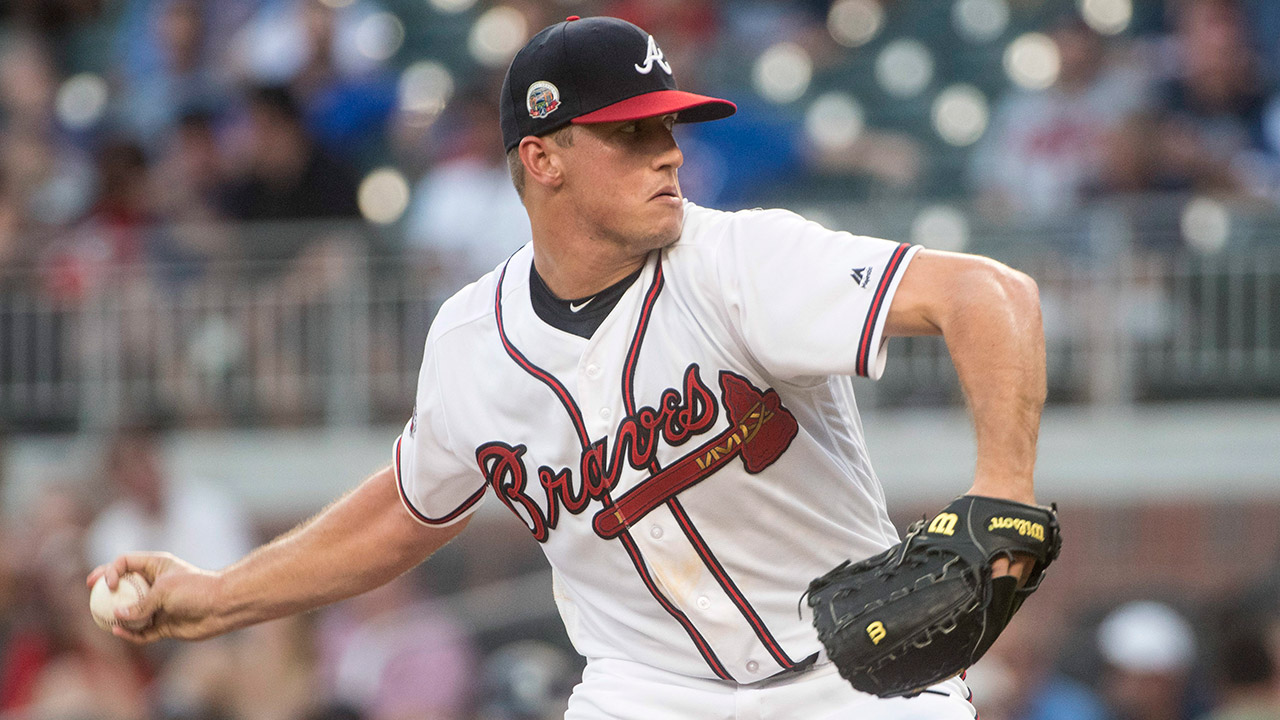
(661, 393)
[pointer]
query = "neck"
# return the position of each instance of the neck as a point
(574, 261)
(571, 275)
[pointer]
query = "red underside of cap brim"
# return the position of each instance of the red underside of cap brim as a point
(692, 108)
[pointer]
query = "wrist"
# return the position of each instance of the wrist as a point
(1017, 492)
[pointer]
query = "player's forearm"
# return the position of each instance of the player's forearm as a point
(993, 329)
(358, 543)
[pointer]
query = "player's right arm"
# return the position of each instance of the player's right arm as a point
(361, 541)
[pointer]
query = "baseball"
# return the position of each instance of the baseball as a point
(103, 602)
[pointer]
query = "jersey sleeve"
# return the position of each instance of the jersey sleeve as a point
(436, 484)
(808, 301)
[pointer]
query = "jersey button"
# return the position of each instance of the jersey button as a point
(704, 602)
(752, 666)
(655, 532)
(593, 371)
(605, 413)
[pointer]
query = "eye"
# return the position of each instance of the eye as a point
(629, 128)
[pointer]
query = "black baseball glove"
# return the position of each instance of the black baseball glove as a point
(926, 609)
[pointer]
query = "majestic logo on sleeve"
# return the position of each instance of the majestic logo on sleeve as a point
(652, 55)
(760, 430)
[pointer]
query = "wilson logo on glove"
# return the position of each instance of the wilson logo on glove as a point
(944, 524)
(876, 632)
(1024, 527)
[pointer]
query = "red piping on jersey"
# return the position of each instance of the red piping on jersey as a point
(547, 379)
(404, 497)
(726, 583)
(873, 313)
(703, 647)
(633, 354)
(722, 578)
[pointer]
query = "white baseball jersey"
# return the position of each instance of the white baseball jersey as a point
(696, 462)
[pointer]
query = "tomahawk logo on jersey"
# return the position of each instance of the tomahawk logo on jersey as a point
(684, 497)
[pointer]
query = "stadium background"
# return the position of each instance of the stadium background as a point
(224, 228)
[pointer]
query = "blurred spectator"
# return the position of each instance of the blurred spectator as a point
(280, 174)
(152, 510)
(283, 174)
(188, 177)
(28, 82)
(1149, 650)
(183, 79)
(1249, 687)
(265, 672)
(465, 217)
(328, 55)
(50, 179)
(527, 680)
(1212, 131)
(58, 663)
(1018, 678)
(1045, 148)
(392, 654)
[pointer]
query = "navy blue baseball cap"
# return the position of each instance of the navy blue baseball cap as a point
(594, 70)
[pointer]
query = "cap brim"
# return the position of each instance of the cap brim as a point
(692, 108)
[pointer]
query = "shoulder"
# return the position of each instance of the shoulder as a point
(705, 226)
(472, 307)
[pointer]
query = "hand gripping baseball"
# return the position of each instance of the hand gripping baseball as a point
(926, 609)
(180, 604)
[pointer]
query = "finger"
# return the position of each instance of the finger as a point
(142, 613)
(148, 565)
(137, 637)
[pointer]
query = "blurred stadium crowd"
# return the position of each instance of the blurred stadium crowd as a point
(183, 184)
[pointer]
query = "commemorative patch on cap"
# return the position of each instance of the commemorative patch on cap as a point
(543, 99)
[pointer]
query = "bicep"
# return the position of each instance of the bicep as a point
(931, 288)
(396, 526)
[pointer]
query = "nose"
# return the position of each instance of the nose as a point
(668, 154)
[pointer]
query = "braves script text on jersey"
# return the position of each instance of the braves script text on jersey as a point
(691, 466)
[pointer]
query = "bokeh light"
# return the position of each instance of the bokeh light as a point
(383, 196)
(783, 72)
(1032, 61)
(452, 6)
(379, 36)
(834, 121)
(81, 100)
(497, 35)
(941, 227)
(1206, 225)
(980, 20)
(904, 68)
(1109, 17)
(855, 22)
(960, 114)
(425, 89)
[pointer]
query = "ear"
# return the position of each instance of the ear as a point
(542, 164)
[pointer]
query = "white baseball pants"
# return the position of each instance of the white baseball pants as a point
(623, 690)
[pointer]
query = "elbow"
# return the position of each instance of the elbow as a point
(995, 285)
(1020, 291)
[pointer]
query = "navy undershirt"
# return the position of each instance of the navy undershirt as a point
(590, 310)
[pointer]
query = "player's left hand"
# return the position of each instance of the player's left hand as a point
(1020, 567)
(1021, 564)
